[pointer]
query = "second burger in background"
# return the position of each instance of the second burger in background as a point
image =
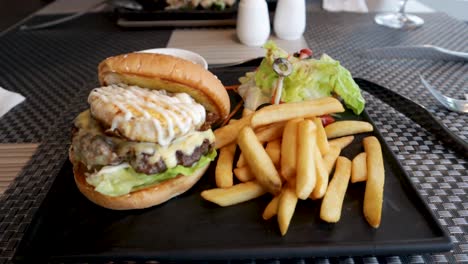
(147, 136)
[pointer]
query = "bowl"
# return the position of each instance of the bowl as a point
(181, 53)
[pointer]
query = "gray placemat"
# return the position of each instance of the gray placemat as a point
(48, 66)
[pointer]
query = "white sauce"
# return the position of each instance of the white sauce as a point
(113, 168)
(177, 111)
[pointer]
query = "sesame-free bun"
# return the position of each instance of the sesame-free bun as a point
(142, 198)
(175, 75)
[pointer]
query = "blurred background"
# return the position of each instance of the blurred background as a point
(13, 12)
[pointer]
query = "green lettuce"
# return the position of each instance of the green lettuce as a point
(310, 79)
(125, 180)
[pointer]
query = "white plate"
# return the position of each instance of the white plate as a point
(181, 53)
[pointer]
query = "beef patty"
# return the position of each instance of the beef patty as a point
(97, 150)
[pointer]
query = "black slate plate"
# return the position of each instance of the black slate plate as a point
(67, 227)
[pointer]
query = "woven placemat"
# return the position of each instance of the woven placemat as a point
(48, 66)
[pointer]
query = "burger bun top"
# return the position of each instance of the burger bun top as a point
(173, 74)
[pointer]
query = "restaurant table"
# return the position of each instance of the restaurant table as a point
(55, 68)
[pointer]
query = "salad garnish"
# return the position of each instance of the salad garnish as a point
(310, 79)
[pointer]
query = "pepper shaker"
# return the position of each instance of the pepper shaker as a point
(253, 22)
(290, 19)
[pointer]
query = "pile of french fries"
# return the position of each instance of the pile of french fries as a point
(286, 151)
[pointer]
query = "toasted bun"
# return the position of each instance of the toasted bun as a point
(143, 198)
(158, 71)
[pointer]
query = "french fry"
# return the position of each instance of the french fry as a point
(330, 159)
(246, 112)
(223, 171)
(359, 168)
(332, 202)
(322, 140)
(322, 176)
(373, 196)
(306, 175)
(228, 134)
(289, 149)
(282, 112)
(286, 206)
(271, 209)
(271, 132)
(244, 174)
(346, 128)
(258, 160)
(341, 142)
(235, 194)
(241, 161)
(273, 149)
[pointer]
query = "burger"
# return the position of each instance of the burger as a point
(146, 136)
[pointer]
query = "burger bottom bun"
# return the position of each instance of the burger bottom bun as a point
(143, 198)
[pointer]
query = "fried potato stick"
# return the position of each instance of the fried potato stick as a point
(286, 207)
(235, 194)
(322, 176)
(271, 132)
(244, 174)
(346, 128)
(259, 162)
(241, 161)
(330, 158)
(332, 202)
(223, 171)
(289, 149)
(373, 197)
(322, 140)
(282, 112)
(359, 168)
(271, 209)
(341, 142)
(247, 112)
(273, 149)
(228, 134)
(306, 175)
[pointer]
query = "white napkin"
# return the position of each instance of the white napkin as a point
(358, 6)
(8, 100)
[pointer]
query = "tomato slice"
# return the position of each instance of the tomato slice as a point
(327, 119)
(306, 51)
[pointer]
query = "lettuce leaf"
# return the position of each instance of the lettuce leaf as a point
(310, 79)
(124, 180)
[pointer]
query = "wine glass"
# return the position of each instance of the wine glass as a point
(399, 19)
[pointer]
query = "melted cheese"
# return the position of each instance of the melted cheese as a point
(186, 144)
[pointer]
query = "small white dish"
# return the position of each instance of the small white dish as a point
(181, 53)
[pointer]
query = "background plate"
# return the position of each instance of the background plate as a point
(68, 227)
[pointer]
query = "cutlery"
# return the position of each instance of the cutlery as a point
(428, 52)
(452, 104)
(283, 68)
(418, 113)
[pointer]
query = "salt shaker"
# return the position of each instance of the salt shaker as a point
(253, 22)
(290, 19)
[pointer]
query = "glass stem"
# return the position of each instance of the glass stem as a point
(402, 6)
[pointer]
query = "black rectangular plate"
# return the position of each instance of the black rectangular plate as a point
(67, 227)
(153, 11)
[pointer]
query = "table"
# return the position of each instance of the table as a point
(55, 77)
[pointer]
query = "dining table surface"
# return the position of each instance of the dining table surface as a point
(55, 68)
